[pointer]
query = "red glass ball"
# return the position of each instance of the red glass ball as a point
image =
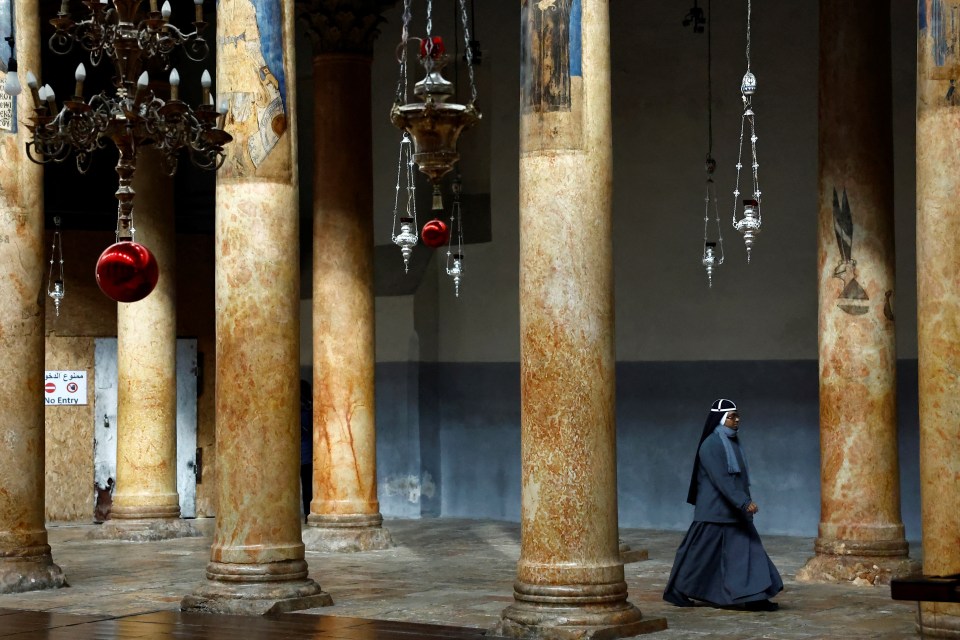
(127, 271)
(435, 233)
(436, 46)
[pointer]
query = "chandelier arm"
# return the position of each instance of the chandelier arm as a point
(61, 42)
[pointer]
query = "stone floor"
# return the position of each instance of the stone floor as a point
(456, 572)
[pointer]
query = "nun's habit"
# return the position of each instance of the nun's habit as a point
(721, 560)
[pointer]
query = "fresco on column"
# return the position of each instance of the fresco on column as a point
(8, 104)
(251, 78)
(853, 298)
(551, 76)
(940, 34)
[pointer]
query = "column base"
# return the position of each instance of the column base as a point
(145, 530)
(939, 624)
(859, 570)
(19, 574)
(346, 533)
(593, 622)
(256, 589)
(257, 600)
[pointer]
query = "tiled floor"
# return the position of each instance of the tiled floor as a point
(448, 572)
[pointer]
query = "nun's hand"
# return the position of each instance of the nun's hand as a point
(752, 508)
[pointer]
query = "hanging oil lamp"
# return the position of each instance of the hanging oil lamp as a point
(55, 283)
(712, 249)
(454, 265)
(434, 121)
(406, 236)
(712, 255)
(750, 222)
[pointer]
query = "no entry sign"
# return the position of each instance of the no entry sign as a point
(65, 388)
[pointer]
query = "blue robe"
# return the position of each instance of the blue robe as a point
(721, 560)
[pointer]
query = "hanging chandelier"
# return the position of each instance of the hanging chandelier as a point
(433, 121)
(142, 111)
(749, 223)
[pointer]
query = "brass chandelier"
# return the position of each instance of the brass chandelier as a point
(142, 110)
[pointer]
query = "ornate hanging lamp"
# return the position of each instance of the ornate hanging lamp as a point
(404, 230)
(433, 121)
(749, 223)
(139, 113)
(455, 231)
(55, 282)
(712, 256)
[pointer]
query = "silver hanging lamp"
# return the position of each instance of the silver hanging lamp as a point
(712, 255)
(750, 222)
(55, 283)
(454, 265)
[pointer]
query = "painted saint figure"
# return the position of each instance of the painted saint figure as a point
(721, 560)
(853, 298)
(547, 54)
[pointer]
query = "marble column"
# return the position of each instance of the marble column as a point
(257, 559)
(146, 505)
(570, 578)
(938, 310)
(344, 514)
(25, 560)
(861, 533)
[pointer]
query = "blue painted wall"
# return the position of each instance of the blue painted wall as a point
(473, 441)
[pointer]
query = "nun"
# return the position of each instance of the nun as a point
(721, 560)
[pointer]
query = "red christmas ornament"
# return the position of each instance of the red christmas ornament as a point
(435, 233)
(435, 45)
(127, 271)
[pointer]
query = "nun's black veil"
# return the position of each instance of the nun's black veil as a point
(717, 410)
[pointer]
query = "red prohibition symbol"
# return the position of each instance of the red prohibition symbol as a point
(72, 387)
(49, 387)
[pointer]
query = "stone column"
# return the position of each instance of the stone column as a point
(257, 560)
(938, 309)
(344, 514)
(861, 532)
(570, 579)
(146, 505)
(25, 560)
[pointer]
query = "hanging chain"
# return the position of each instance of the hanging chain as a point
(756, 165)
(429, 20)
(749, 11)
(736, 190)
(405, 36)
(468, 51)
(709, 83)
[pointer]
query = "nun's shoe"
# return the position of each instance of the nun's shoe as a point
(761, 605)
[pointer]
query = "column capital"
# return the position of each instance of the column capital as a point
(342, 26)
